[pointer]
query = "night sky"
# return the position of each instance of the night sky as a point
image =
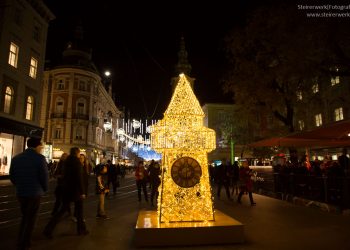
(138, 43)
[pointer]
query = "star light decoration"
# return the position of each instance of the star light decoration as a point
(181, 134)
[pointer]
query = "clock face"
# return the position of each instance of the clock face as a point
(186, 172)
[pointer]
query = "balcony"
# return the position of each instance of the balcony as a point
(80, 116)
(58, 115)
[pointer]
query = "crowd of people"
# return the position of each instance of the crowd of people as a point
(29, 173)
(236, 180)
(327, 167)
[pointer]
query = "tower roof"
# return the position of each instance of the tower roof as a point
(184, 101)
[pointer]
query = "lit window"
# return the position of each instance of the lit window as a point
(301, 124)
(59, 105)
(29, 110)
(33, 67)
(299, 95)
(13, 55)
(318, 120)
(335, 80)
(81, 107)
(338, 113)
(8, 100)
(58, 133)
(79, 133)
(315, 88)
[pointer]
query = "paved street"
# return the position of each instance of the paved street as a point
(272, 224)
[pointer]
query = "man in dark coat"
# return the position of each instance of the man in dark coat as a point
(28, 172)
(74, 191)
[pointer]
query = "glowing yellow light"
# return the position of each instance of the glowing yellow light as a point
(181, 134)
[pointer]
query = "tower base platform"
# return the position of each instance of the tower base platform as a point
(224, 230)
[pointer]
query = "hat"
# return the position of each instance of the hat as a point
(33, 142)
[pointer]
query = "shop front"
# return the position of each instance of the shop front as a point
(13, 138)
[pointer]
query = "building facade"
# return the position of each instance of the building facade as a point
(324, 100)
(23, 31)
(219, 117)
(77, 109)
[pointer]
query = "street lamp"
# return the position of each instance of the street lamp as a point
(107, 73)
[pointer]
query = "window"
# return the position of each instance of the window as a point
(315, 88)
(8, 99)
(81, 107)
(29, 109)
(318, 120)
(36, 33)
(13, 55)
(79, 133)
(338, 113)
(335, 80)
(301, 124)
(59, 105)
(33, 67)
(81, 85)
(58, 133)
(299, 95)
(60, 85)
(18, 17)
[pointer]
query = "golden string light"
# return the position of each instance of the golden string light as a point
(184, 142)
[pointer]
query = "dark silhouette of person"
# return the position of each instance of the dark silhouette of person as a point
(74, 191)
(245, 174)
(154, 178)
(223, 176)
(141, 176)
(58, 174)
(29, 174)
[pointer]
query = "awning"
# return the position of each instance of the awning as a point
(19, 128)
(332, 135)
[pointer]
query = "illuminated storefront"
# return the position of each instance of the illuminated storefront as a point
(13, 137)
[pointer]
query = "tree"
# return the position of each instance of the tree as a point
(277, 54)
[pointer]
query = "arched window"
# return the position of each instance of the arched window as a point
(59, 105)
(8, 99)
(29, 109)
(80, 108)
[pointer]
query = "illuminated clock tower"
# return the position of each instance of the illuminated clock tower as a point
(183, 141)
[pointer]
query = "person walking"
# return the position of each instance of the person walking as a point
(235, 178)
(245, 174)
(154, 178)
(58, 174)
(223, 177)
(141, 180)
(29, 174)
(101, 190)
(112, 174)
(74, 191)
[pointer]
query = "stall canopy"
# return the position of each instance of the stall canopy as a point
(332, 135)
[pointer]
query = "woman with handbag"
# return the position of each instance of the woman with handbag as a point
(101, 190)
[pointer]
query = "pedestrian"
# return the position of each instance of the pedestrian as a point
(223, 176)
(154, 178)
(101, 190)
(112, 174)
(235, 178)
(29, 174)
(141, 180)
(58, 174)
(245, 174)
(344, 162)
(74, 191)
